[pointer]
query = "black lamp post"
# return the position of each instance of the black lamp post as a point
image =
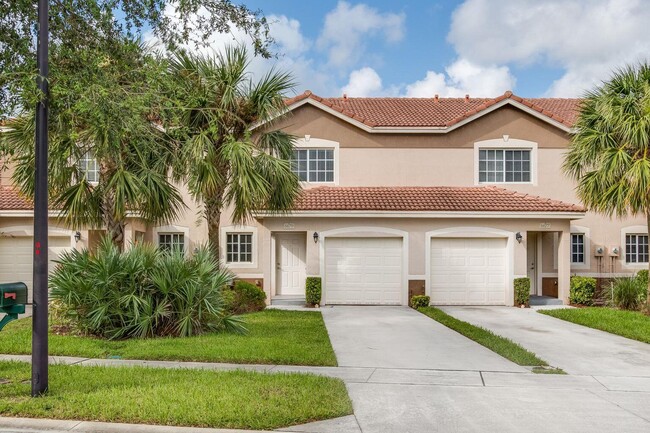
(40, 295)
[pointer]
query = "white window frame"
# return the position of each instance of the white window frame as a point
(173, 244)
(506, 143)
(586, 235)
(636, 245)
(83, 163)
(173, 229)
(223, 246)
(630, 230)
(309, 143)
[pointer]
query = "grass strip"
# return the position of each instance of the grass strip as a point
(178, 397)
(629, 324)
(274, 337)
(500, 345)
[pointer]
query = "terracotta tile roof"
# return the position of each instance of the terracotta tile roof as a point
(436, 112)
(428, 199)
(10, 199)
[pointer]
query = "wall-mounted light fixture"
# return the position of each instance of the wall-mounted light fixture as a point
(316, 237)
(519, 237)
(77, 236)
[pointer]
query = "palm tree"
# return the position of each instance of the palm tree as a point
(107, 159)
(609, 155)
(229, 163)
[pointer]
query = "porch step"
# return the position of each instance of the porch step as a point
(545, 300)
(288, 300)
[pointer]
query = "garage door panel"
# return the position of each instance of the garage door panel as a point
(468, 271)
(16, 258)
(363, 270)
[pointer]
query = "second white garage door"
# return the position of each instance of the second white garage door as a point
(16, 255)
(468, 271)
(363, 271)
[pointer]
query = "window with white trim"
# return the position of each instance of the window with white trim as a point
(239, 248)
(636, 248)
(171, 242)
(89, 167)
(578, 248)
(313, 165)
(504, 165)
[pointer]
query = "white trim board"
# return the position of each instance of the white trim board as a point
(417, 214)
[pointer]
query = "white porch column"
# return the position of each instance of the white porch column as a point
(563, 266)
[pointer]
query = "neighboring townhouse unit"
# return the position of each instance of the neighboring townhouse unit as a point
(453, 197)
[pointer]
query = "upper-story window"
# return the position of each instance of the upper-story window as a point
(504, 165)
(314, 165)
(636, 248)
(577, 248)
(89, 167)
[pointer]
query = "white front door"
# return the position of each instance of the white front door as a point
(531, 256)
(363, 271)
(468, 271)
(290, 264)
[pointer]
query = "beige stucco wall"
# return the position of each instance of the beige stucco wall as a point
(366, 159)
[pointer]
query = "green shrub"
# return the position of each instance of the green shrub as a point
(142, 292)
(629, 293)
(522, 291)
(582, 290)
(247, 298)
(419, 301)
(313, 290)
(642, 276)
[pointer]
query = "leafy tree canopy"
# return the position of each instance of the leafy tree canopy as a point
(95, 25)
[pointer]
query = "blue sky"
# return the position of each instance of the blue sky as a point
(481, 47)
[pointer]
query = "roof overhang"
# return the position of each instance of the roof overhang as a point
(428, 130)
(421, 214)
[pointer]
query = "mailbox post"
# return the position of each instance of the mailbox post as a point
(13, 297)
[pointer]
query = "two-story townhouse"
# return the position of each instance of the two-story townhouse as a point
(453, 197)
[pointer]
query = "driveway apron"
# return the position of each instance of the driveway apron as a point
(574, 348)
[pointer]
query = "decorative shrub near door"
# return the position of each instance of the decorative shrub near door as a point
(245, 298)
(313, 290)
(582, 290)
(522, 291)
(420, 301)
(142, 292)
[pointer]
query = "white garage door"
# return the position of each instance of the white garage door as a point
(16, 256)
(363, 271)
(468, 271)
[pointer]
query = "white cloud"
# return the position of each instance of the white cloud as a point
(585, 38)
(463, 77)
(363, 82)
(347, 29)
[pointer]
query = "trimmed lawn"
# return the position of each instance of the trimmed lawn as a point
(233, 399)
(628, 324)
(500, 345)
(274, 337)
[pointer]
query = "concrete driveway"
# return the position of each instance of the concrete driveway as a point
(423, 377)
(574, 348)
(400, 337)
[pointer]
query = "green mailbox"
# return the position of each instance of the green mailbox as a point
(13, 297)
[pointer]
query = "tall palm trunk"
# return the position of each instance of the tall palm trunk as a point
(114, 226)
(213, 209)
